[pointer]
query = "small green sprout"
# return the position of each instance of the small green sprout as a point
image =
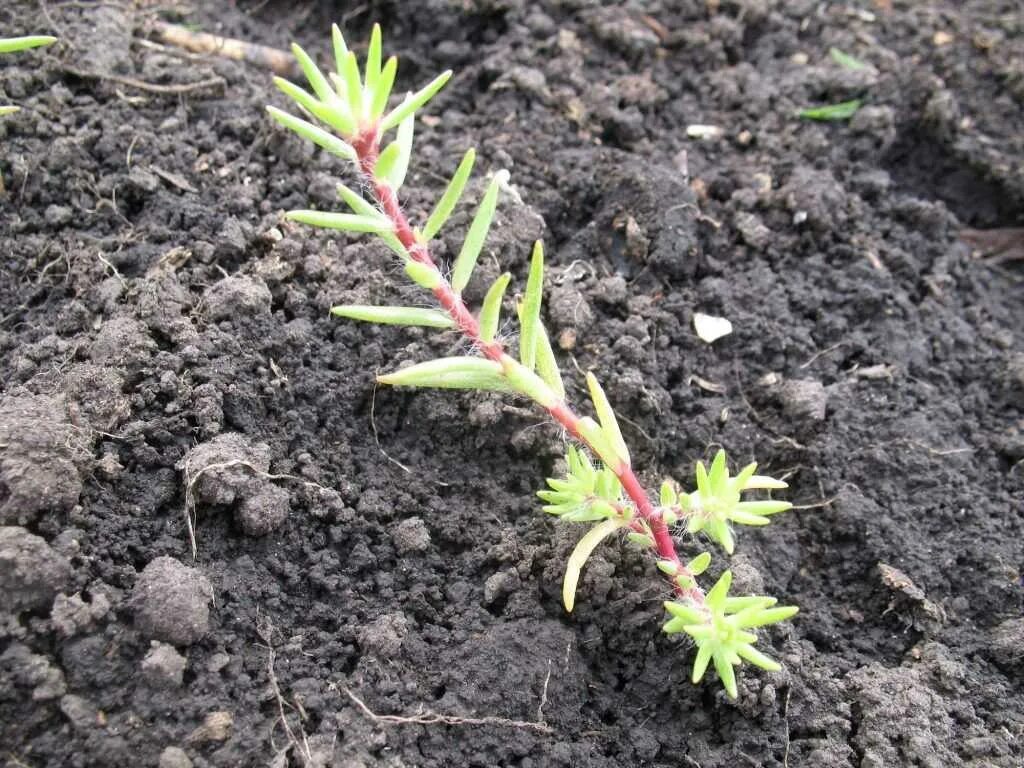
(844, 110)
(600, 487)
(845, 60)
(14, 44)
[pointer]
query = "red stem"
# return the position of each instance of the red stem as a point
(367, 147)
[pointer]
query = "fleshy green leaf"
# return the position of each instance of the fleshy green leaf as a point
(766, 507)
(642, 540)
(334, 113)
(321, 87)
(739, 482)
(451, 196)
(529, 316)
(345, 221)
(358, 203)
(845, 60)
(386, 161)
(383, 88)
(718, 477)
(12, 44)
(844, 110)
(394, 160)
(317, 135)
(595, 437)
(716, 597)
(340, 49)
(700, 665)
(373, 58)
(726, 673)
(404, 140)
(353, 86)
(528, 383)
(758, 659)
(477, 233)
(423, 275)
(547, 364)
(8, 110)
(699, 564)
(668, 494)
(413, 102)
(431, 318)
(687, 613)
(490, 312)
(742, 603)
(766, 616)
(450, 373)
(584, 549)
(761, 482)
(605, 414)
(703, 485)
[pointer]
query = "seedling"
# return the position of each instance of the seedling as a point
(844, 110)
(12, 44)
(600, 487)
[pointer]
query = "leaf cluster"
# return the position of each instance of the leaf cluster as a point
(719, 629)
(586, 494)
(716, 503)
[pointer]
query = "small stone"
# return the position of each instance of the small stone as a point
(411, 536)
(81, 712)
(58, 215)
(804, 399)
(217, 662)
(71, 615)
(216, 727)
(236, 296)
(30, 670)
(500, 585)
(613, 290)
(225, 468)
(384, 636)
(174, 757)
(753, 231)
(171, 602)
(163, 666)
(124, 342)
(31, 572)
(1007, 643)
(232, 240)
(263, 511)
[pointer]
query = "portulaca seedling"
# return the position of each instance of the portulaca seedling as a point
(349, 116)
(12, 44)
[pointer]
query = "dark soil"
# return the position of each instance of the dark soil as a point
(166, 346)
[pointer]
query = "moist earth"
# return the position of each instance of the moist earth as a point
(172, 379)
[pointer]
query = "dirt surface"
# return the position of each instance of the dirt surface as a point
(166, 349)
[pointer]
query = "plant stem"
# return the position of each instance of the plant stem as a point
(367, 150)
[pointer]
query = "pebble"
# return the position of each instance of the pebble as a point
(31, 572)
(174, 757)
(237, 295)
(411, 535)
(163, 666)
(384, 635)
(501, 584)
(804, 399)
(263, 511)
(171, 602)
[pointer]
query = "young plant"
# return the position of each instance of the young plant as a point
(349, 116)
(12, 44)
